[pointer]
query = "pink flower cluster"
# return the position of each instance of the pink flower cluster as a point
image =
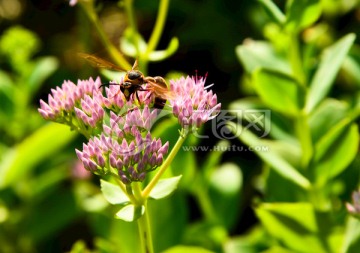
(83, 102)
(193, 104)
(118, 130)
(124, 148)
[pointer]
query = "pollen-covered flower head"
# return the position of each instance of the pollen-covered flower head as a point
(193, 104)
(125, 147)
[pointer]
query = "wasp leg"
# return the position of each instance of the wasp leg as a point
(108, 84)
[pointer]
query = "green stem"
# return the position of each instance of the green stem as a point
(117, 57)
(158, 28)
(296, 60)
(145, 232)
(136, 187)
(304, 136)
(126, 189)
(132, 23)
(166, 164)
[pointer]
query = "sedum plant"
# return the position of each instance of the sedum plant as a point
(120, 147)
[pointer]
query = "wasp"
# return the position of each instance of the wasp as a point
(134, 80)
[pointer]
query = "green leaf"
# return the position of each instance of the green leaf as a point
(43, 220)
(128, 43)
(336, 150)
(41, 145)
(42, 69)
(160, 55)
(130, 39)
(254, 241)
(351, 68)
(7, 98)
(279, 91)
(7, 86)
(174, 211)
(273, 11)
(301, 14)
(352, 236)
(206, 234)
(260, 54)
(280, 165)
(113, 193)
(330, 64)
(225, 188)
(79, 247)
(325, 116)
(130, 213)
(297, 224)
(227, 179)
(165, 187)
(187, 249)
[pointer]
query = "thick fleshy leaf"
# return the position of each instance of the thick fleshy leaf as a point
(301, 14)
(330, 64)
(279, 164)
(297, 224)
(40, 145)
(279, 91)
(113, 193)
(260, 54)
(130, 213)
(165, 187)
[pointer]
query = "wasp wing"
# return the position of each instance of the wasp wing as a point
(99, 62)
(159, 87)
